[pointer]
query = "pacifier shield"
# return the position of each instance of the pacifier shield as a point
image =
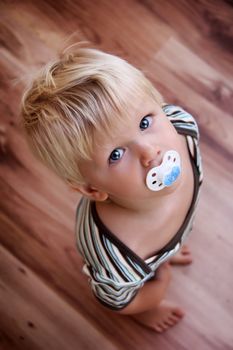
(170, 178)
(166, 173)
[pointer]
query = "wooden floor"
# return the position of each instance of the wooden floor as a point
(185, 47)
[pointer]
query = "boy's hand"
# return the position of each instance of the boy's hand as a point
(163, 273)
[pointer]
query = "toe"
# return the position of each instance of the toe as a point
(165, 325)
(187, 254)
(170, 322)
(185, 248)
(159, 329)
(174, 319)
(187, 259)
(178, 314)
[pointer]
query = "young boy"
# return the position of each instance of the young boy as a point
(102, 126)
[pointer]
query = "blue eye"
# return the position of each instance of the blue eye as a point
(145, 122)
(116, 154)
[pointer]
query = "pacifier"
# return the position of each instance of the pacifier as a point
(166, 173)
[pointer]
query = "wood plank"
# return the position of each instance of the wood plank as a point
(38, 314)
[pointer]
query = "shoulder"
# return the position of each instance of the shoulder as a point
(183, 121)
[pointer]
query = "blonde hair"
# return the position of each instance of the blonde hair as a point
(74, 97)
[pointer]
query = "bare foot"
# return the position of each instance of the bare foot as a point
(166, 315)
(183, 257)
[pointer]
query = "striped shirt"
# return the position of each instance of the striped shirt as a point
(115, 272)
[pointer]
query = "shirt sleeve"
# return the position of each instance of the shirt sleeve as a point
(186, 124)
(183, 121)
(110, 292)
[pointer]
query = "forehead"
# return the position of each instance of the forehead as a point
(137, 109)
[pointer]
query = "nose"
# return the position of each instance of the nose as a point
(148, 154)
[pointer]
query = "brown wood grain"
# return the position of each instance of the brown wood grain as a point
(185, 48)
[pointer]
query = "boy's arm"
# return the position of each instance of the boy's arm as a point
(151, 293)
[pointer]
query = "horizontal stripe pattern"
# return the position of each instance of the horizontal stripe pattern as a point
(115, 274)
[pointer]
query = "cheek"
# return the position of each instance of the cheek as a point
(127, 179)
(168, 134)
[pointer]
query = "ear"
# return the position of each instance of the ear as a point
(90, 192)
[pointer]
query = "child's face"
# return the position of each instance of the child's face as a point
(119, 165)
